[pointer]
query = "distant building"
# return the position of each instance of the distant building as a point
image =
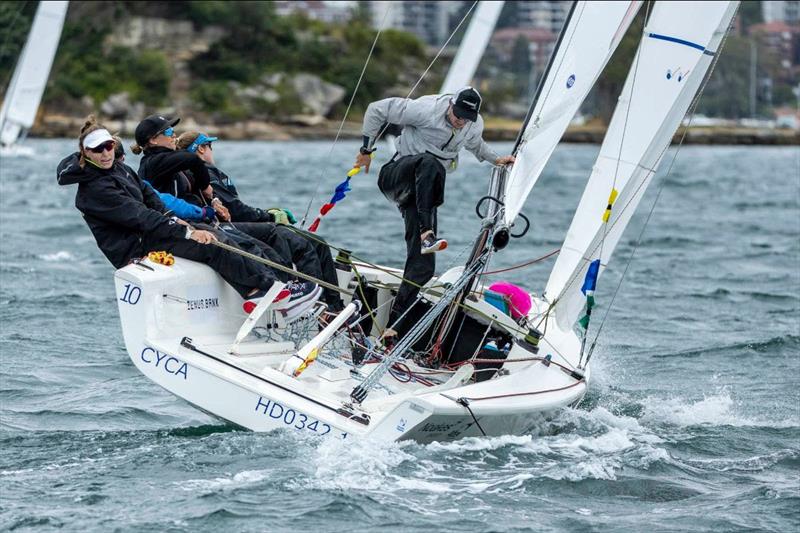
(428, 20)
(540, 44)
(783, 40)
(332, 12)
(781, 11)
(547, 15)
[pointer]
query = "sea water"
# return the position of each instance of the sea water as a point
(692, 421)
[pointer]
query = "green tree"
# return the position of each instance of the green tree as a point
(15, 23)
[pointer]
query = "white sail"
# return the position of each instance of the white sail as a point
(677, 48)
(472, 46)
(33, 68)
(591, 34)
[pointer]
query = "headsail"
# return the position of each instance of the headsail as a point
(472, 46)
(589, 37)
(677, 48)
(33, 68)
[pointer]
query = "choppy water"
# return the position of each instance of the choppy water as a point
(692, 422)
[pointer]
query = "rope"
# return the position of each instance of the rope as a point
(280, 267)
(691, 112)
(323, 174)
(522, 265)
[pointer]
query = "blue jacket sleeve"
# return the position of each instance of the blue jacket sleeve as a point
(180, 208)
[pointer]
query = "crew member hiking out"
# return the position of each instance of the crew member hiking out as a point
(128, 220)
(435, 129)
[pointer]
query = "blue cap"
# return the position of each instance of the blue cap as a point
(201, 140)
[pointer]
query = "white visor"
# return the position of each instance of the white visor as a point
(96, 138)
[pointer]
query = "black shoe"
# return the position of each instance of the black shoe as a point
(432, 245)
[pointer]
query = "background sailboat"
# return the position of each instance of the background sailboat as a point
(27, 85)
(472, 47)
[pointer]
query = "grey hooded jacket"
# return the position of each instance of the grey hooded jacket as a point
(426, 129)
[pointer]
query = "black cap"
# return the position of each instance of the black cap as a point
(152, 126)
(467, 104)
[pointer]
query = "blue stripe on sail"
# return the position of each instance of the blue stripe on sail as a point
(676, 40)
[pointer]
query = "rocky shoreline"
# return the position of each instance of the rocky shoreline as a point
(310, 127)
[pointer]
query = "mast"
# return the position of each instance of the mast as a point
(545, 74)
(590, 36)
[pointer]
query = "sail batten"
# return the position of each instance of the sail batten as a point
(32, 71)
(590, 35)
(665, 76)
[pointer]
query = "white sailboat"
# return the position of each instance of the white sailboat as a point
(184, 330)
(27, 85)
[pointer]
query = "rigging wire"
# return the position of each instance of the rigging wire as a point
(323, 174)
(625, 125)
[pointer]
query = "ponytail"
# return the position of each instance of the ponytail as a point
(136, 149)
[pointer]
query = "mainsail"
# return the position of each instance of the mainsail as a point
(33, 68)
(589, 37)
(472, 46)
(674, 56)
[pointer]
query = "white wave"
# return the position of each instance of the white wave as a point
(474, 444)
(61, 255)
(715, 410)
(240, 479)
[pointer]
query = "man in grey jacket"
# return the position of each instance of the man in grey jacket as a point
(435, 129)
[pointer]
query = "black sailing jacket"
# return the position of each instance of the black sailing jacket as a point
(119, 209)
(226, 191)
(165, 170)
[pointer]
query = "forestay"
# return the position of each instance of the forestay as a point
(589, 37)
(33, 68)
(677, 48)
(472, 46)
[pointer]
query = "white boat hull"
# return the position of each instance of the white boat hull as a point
(179, 324)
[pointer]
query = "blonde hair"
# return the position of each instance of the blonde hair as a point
(186, 139)
(89, 125)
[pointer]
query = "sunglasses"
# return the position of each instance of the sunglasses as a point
(108, 145)
(207, 145)
(169, 132)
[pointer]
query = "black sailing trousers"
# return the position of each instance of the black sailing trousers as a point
(416, 184)
(309, 253)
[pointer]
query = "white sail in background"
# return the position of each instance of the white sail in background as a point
(677, 48)
(33, 68)
(472, 47)
(591, 34)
